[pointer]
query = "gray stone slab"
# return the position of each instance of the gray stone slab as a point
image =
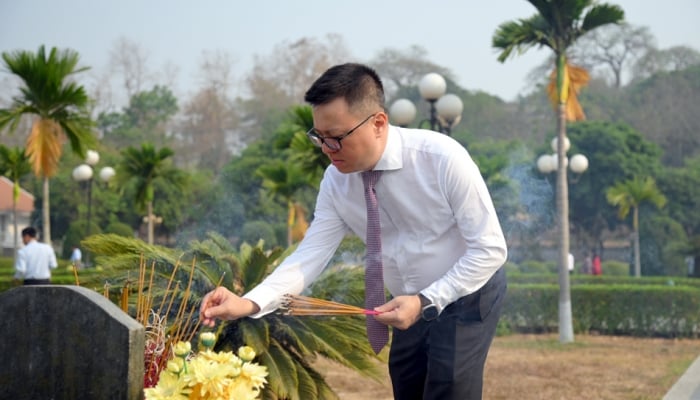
(68, 342)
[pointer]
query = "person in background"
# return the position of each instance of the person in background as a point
(439, 242)
(587, 266)
(597, 267)
(570, 260)
(75, 257)
(35, 260)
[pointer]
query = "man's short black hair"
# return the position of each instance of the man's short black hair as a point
(358, 84)
(29, 231)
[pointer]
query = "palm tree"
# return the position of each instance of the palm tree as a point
(557, 25)
(629, 195)
(284, 181)
(304, 153)
(286, 345)
(14, 164)
(303, 167)
(60, 109)
(140, 169)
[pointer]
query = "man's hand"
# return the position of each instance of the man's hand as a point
(221, 303)
(401, 312)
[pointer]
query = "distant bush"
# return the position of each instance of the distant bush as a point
(615, 268)
(119, 228)
(537, 267)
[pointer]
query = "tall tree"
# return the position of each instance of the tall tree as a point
(14, 164)
(629, 195)
(557, 25)
(665, 60)
(130, 60)
(60, 109)
(284, 180)
(140, 170)
(614, 48)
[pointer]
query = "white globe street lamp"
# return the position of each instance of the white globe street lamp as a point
(84, 173)
(445, 109)
(402, 112)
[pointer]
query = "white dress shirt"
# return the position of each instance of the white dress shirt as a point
(440, 232)
(35, 261)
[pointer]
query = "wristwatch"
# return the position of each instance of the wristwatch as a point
(429, 311)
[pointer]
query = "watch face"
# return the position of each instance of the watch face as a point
(429, 312)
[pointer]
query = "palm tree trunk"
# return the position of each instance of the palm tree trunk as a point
(637, 258)
(566, 330)
(290, 221)
(150, 222)
(15, 241)
(46, 214)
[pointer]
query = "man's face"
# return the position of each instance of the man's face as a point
(26, 239)
(359, 150)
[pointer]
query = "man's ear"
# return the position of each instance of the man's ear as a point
(381, 123)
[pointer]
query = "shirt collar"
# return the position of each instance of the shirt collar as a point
(391, 157)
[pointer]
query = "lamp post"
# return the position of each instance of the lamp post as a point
(445, 109)
(548, 163)
(151, 220)
(84, 173)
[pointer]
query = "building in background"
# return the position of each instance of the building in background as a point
(25, 206)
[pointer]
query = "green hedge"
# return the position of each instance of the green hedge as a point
(575, 279)
(615, 309)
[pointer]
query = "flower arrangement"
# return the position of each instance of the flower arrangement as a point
(208, 374)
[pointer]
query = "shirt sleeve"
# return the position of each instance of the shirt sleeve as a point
(20, 265)
(307, 262)
(478, 224)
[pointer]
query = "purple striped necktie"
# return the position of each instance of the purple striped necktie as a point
(377, 333)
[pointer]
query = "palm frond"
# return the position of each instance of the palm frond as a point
(600, 15)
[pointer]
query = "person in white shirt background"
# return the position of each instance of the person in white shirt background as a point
(442, 244)
(35, 260)
(76, 257)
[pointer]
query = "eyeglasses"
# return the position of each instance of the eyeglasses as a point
(333, 142)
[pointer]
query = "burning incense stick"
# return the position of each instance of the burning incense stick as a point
(303, 306)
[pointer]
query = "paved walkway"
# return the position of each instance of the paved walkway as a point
(688, 386)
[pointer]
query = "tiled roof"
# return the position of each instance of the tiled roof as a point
(24, 203)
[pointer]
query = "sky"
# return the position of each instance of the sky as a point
(456, 33)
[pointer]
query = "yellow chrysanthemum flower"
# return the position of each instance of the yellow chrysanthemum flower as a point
(254, 374)
(213, 377)
(222, 357)
(169, 387)
(239, 390)
(209, 375)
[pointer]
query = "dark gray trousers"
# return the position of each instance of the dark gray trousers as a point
(444, 359)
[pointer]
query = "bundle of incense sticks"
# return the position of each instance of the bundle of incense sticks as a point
(302, 305)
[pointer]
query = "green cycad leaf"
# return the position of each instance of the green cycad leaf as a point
(256, 334)
(323, 391)
(284, 382)
(307, 386)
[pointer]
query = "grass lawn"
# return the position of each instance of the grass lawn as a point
(539, 367)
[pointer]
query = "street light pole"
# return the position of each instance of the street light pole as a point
(445, 109)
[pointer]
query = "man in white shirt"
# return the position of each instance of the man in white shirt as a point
(35, 260)
(76, 257)
(442, 246)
